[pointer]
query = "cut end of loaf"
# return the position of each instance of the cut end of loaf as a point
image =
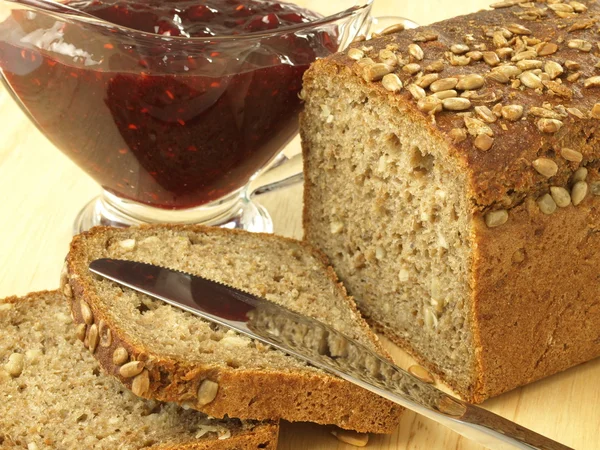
(387, 204)
(54, 395)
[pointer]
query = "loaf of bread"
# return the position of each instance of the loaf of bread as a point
(164, 353)
(54, 396)
(451, 176)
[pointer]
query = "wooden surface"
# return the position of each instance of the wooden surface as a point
(41, 191)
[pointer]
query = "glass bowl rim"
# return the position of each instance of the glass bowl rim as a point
(49, 7)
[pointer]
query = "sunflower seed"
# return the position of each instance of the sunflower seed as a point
(120, 356)
(86, 313)
(578, 6)
(435, 66)
(105, 334)
(579, 192)
(559, 89)
(512, 112)
(444, 84)
(549, 125)
(531, 80)
(416, 52)
(577, 112)
(141, 384)
(81, 331)
(483, 142)
(416, 91)
(458, 60)
(546, 204)
(426, 80)
(470, 82)
(459, 49)
(456, 104)
(499, 40)
(131, 369)
(446, 94)
(561, 196)
(15, 365)
(581, 25)
(458, 135)
(503, 4)
(580, 44)
(485, 114)
(476, 127)
(595, 112)
(375, 72)
(430, 105)
(543, 112)
(529, 54)
(572, 65)
(529, 64)
(388, 57)
(491, 58)
(421, 373)
(553, 69)
(571, 155)
(355, 54)
(392, 29)
(547, 48)
(504, 52)
(592, 82)
(498, 76)
(579, 175)
(351, 437)
(391, 82)
(518, 29)
(545, 167)
(475, 55)
(562, 7)
(425, 36)
(412, 68)
(93, 337)
(207, 392)
(67, 291)
(494, 219)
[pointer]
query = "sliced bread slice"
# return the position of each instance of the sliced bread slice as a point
(166, 354)
(54, 396)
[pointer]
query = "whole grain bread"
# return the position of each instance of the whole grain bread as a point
(451, 175)
(53, 394)
(171, 355)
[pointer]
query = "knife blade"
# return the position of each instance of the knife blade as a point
(321, 346)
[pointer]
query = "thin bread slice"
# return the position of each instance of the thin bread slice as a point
(188, 360)
(54, 396)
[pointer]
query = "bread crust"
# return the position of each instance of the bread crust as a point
(257, 394)
(263, 435)
(502, 176)
(533, 317)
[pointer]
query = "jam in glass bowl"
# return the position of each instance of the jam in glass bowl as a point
(172, 106)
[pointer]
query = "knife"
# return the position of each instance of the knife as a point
(321, 346)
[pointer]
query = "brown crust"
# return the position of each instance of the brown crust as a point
(504, 174)
(262, 436)
(540, 316)
(247, 394)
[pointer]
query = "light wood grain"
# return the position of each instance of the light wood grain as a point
(41, 191)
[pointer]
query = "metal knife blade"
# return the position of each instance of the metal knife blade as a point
(321, 346)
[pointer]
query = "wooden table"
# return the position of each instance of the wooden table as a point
(41, 191)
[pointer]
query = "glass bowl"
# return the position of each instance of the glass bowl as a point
(172, 128)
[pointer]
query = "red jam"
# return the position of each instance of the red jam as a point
(153, 120)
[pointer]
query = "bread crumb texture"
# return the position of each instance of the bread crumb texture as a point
(53, 394)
